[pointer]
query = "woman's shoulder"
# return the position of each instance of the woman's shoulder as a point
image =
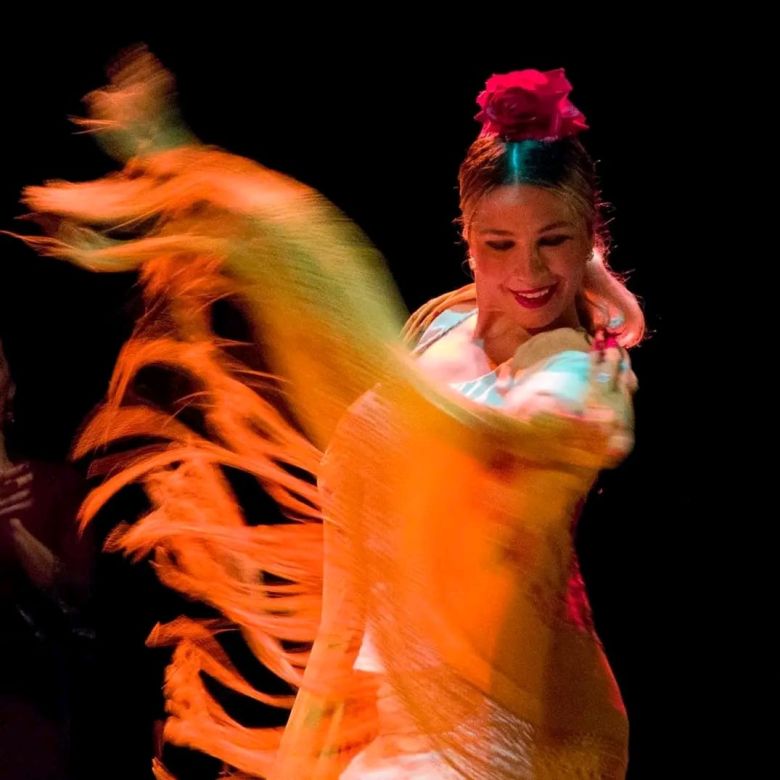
(444, 322)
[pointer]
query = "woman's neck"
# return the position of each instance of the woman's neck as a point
(500, 338)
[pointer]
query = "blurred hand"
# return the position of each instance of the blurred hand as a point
(15, 490)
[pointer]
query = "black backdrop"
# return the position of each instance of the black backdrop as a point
(378, 120)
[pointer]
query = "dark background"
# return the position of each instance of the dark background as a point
(379, 120)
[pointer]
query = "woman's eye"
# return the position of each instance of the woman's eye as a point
(554, 240)
(500, 246)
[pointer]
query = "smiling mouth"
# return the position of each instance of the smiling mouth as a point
(535, 299)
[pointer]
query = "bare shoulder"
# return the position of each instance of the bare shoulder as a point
(455, 357)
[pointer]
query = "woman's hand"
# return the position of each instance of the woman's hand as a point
(15, 490)
(608, 402)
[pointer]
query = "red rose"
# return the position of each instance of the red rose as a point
(529, 104)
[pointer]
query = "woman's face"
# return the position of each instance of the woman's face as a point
(528, 253)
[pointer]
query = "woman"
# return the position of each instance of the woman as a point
(452, 593)
(45, 608)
